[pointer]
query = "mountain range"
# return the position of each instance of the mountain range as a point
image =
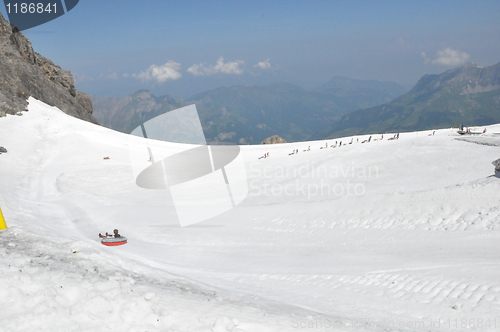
(249, 114)
(126, 113)
(468, 95)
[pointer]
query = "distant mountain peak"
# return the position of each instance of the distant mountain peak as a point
(469, 94)
(142, 94)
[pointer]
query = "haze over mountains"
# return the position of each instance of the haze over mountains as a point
(468, 95)
(249, 114)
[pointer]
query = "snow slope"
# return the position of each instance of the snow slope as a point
(386, 235)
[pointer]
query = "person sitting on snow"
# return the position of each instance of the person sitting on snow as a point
(116, 234)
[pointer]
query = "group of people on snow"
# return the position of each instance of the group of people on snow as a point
(266, 155)
(339, 144)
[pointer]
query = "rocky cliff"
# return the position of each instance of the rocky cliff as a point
(25, 73)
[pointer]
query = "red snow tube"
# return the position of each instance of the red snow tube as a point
(114, 241)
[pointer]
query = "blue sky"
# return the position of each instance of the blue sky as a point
(180, 48)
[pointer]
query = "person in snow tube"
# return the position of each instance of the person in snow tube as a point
(116, 234)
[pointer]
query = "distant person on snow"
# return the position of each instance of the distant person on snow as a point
(116, 233)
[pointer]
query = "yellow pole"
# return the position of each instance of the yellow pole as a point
(3, 224)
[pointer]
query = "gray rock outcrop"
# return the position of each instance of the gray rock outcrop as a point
(3, 150)
(496, 163)
(25, 73)
(273, 140)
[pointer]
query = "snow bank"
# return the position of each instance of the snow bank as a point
(52, 284)
(386, 235)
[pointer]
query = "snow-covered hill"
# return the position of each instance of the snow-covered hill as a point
(388, 234)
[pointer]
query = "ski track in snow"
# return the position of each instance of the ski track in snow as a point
(420, 243)
(50, 288)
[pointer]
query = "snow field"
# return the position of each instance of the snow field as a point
(414, 248)
(47, 285)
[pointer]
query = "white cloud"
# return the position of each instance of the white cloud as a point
(264, 64)
(112, 76)
(448, 57)
(220, 67)
(160, 74)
